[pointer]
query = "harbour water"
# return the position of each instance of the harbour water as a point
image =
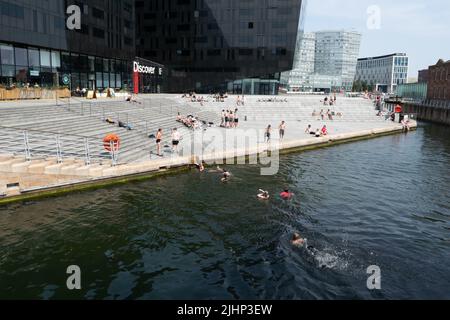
(383, 202)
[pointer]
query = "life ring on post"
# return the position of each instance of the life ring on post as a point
(111, 142)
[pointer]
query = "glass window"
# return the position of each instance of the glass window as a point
(91, 64)
(22, 74)
(33, 58)
(105, 80)
(105, 65)
(84, 63)
(56, 59)
(98, 64)
(84, 80)
(118, 80)
(45, 58)
(75, 60)
(75, 80)
(65, 61)
(99, 82)
(7, 54)
(21, 56)
(112, 80)
(8, 71)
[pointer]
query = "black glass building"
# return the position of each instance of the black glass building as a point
(37, 48)
(238, 46)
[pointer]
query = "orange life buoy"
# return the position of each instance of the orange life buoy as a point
(398, 109)
(111, 140)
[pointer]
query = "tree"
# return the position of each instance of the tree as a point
(357, 86)
(364, 86)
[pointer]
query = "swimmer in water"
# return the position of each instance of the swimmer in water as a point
(264, 195)
(200, 167)
(286, 194)
(226, 174)
(297, 240)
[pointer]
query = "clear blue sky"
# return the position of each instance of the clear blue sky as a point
(420, 28)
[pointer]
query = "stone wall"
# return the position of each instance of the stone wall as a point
(438, 115)
(32, 93)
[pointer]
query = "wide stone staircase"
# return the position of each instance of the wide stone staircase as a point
(67, 139)
(292, 108)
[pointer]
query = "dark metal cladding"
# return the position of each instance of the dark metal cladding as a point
(206, 44)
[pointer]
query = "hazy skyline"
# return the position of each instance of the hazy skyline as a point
(417, 27)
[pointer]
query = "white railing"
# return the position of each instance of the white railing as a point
(33, 144)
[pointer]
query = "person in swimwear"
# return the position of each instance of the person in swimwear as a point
(159, 135)
(200, 166)
(226, 174)
(264, 195)
(286, 194)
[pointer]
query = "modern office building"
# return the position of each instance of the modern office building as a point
(439, 81)
(384, 73)
(326, 61)
(304, 62)
(208, 45)
(38, 48)
(337, 54)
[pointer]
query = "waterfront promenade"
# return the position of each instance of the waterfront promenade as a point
(82, 123)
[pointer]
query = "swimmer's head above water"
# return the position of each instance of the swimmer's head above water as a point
(286, 194)
(297, 240)
(263, 195)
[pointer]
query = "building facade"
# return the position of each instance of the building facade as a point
(326, 61)
(209, 45)
(38, 49)
(304, 61)
(439, 81)
(413, 91)
(337, 54)
(383, 73)
(423, 76)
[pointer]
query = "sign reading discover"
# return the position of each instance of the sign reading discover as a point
(146, 69)
(147, 76)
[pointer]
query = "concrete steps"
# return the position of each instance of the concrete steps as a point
(155, 111)
(70, 167)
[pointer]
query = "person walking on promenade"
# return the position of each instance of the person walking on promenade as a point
(268, 134)
(231, 119)
(236, 118)
(330, 115)
(222, 124)
(175, 140)
(282, 130)
(159, 135)
(227, 119)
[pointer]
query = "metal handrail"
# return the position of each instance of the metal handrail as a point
(45, 132)
(45, 144)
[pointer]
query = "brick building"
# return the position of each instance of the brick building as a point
(439, 81)
(423, 76)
